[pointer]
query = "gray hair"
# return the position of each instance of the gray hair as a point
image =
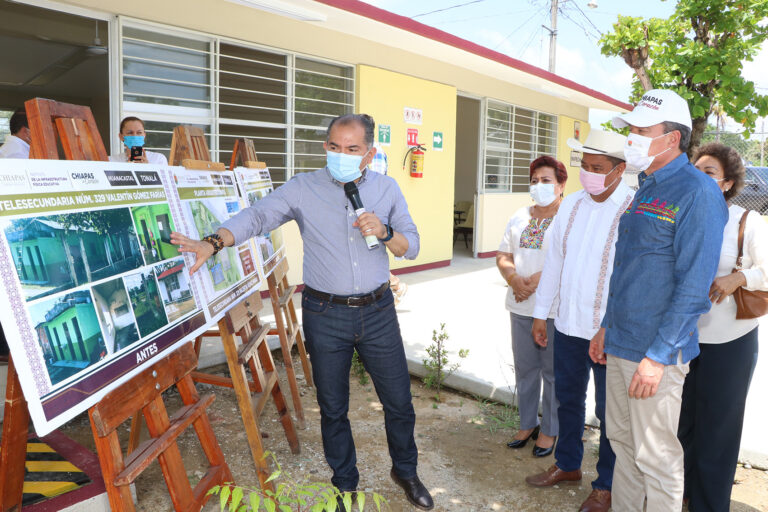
(685, 133)
(363, 120)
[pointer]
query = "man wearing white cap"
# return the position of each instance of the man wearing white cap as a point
(577, 268)
(666, 258)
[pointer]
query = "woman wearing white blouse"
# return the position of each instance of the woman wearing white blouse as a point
(520, 259)
(715, 391)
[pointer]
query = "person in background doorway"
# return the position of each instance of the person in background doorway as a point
(520, 260)
(16, 144)
(576, 273)
(715, 391)
(666, 258)
(132, 135)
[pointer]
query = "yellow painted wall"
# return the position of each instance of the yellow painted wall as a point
(383, 95)
(565, 127)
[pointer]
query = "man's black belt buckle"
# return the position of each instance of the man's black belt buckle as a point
(353, 301)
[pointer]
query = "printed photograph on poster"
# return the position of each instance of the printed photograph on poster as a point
(95, 289)
(175, 288)
(57, 252)
(207, 200)
(257, 184)
(154, 226)
(68, 333)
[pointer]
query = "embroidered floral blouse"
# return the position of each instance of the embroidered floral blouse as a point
(527, 239)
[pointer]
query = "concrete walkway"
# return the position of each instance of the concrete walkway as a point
(468, 296)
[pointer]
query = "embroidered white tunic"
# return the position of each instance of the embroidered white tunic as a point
(578, 265)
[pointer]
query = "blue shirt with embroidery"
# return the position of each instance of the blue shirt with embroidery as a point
(666, 258)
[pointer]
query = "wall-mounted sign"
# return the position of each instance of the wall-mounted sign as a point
(437, 141)
(413, 136)
(412, 115)
(385, 134)
(576, 129)
(575, 159)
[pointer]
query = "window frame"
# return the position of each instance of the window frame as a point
(186, 115)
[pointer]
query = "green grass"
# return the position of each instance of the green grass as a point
(496, 417)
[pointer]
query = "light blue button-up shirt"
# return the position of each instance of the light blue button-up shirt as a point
(336, 257)
(666, 257)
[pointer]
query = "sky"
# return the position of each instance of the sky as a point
(514, 27)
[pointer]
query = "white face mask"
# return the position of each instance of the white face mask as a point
(636, 151)
(543, 193)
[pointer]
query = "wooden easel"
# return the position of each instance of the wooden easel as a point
(76, 127)
(144, 392)
(281, 295)
(80, 139)
(189, 149)
(245, 153)
(288, 330)
(241, 321)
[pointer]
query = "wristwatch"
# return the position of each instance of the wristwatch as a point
(390, 233)
(216, 241)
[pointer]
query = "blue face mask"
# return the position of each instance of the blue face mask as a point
(343, 167)
(133, 140)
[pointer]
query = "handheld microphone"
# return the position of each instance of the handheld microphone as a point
(354, 197)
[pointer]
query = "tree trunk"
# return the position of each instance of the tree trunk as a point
(85, 258)
(70, 260)
(645, 80)
(697, 132)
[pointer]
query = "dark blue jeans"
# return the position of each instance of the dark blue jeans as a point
(572, 366)
(332, 334)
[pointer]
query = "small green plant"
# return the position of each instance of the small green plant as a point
(358, 369)
(436, 364)
(290, 495)
(496, 416)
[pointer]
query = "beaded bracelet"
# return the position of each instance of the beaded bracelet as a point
(216, 241)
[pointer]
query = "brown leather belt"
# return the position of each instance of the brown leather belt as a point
(354, 301)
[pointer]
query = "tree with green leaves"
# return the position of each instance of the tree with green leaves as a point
(697, 52)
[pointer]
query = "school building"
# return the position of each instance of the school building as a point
(277, 71)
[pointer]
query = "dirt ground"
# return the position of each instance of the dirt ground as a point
(463, 459)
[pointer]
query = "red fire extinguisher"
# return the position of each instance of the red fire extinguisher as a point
(417, 160)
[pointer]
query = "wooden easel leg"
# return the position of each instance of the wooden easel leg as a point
(171, 462)
(280, 321)
(302, 349)
(242, 392)
(111, 461)
(282, 408)
(13, 451)
(135, 436)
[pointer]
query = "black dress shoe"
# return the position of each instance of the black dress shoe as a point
(415, 491)
(340, 501)
(519, 443)
(538, 451)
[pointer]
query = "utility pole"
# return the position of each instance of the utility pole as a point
(553, 36)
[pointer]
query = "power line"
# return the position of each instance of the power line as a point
(500, 15)
(448, 8)
(518, 28)
(586, 17)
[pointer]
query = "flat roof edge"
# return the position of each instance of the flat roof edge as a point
(418, 28)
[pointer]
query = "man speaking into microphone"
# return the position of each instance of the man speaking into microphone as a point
(346, 304)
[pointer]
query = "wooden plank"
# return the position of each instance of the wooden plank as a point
(202, 165)
(259, 400)
(120, 404)
(287, 295)
(248, 350)
(254, 165)
(75, 125)
(171, 462)
(42, 133)
(141, 459)
(111, 462)
(13, 445)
